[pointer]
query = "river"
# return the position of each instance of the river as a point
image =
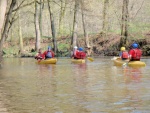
(93, 87)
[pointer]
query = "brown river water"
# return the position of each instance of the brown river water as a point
(93, 87)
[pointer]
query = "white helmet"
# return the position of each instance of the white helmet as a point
(75, 47)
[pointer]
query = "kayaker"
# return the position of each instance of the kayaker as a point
(80, 54)
(135, 53)
(73, 54)
(39, 55)
(124, 55)
(49, 53)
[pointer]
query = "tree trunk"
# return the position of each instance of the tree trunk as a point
(75, 24)
(3, 33)
(62, 14)
(37, 27)
(20, 33)
(52, 27)
(84, 25)
(40, 15)
(124, 25)
(105, 18)
(3, 6)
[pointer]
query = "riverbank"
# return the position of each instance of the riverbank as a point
(100, 46)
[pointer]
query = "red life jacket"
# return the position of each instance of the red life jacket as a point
(125, 54)
(39, 56)
(80, 55)
(136, 54)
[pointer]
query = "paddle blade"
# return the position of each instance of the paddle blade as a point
(90, 59)
(125, 64)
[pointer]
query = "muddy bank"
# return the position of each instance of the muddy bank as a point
(100, 46)
(110, 46)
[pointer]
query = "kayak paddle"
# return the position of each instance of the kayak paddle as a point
(90, 59)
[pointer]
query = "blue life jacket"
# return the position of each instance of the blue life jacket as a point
(49, 54)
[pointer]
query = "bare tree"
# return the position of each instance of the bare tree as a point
(84, 24)
(41, 16)
(13, 3)
(75, 24)
(20, 31)
(105, 17)
(52, 27)
(3, 6)
(62, 14)
(37, 26)
(124, 25)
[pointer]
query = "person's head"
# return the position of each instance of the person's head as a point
(49, 48)
(80, 49)
(40, 50)
(75, 47)
(122, 48)
(134, 45)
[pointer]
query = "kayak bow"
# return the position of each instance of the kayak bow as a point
(119, 62)
(47, 61)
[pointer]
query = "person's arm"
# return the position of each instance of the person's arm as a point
(44, 54)
(120, 54)
(130, 54)
(75, 52)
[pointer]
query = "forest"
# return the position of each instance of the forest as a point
(102, 26)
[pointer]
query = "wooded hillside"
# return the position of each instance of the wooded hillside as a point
(52, 20)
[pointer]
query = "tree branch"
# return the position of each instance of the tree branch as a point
(138, 9)
(19, 7)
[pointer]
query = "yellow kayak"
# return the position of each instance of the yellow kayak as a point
(119, 62)
(136, 64)
(47, 61)
(78, 61)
